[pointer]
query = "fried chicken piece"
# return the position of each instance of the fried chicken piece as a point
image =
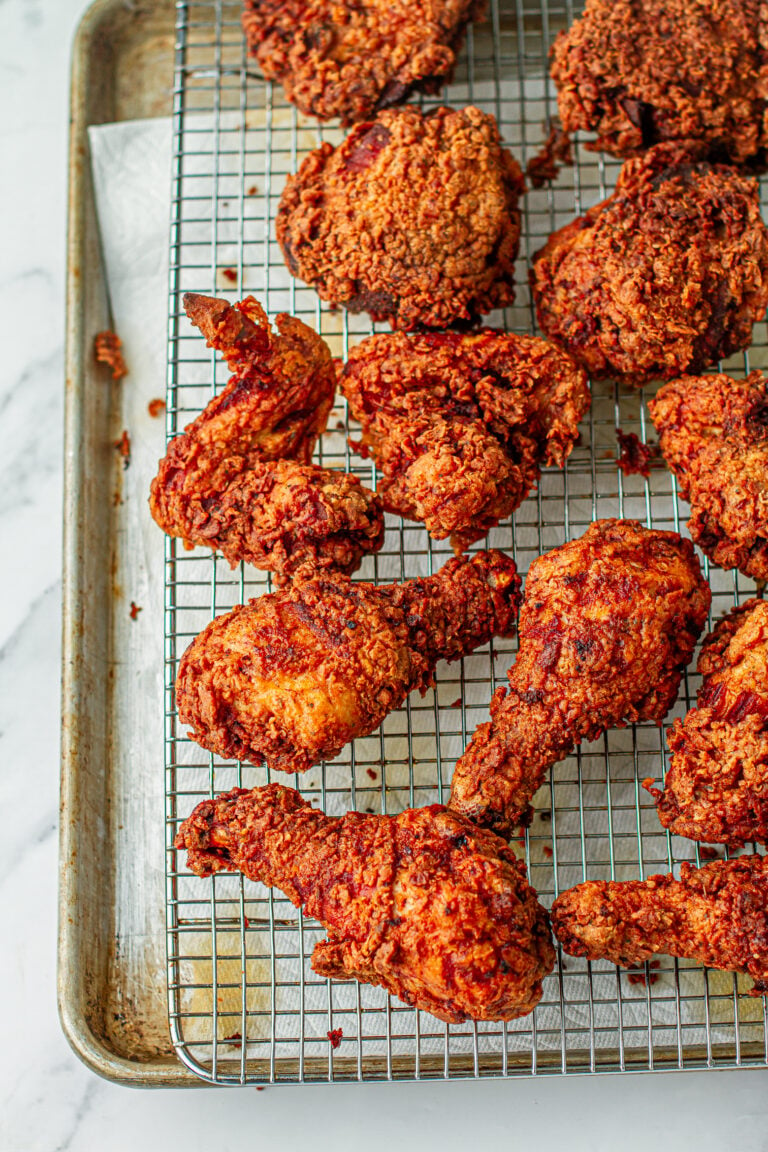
(350, 59)
(713, 433)
(413, 218)
(607, 626)
(666, 276)
(638, 72)
(238, 479)
(716, 788)
(292, 677)
(717, 915)
(436, 911)
(459, 424)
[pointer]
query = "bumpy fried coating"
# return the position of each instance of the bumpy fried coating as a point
(638, 72)
(351, 59)
(423, 904)
(607, 626)
(717, 784)
(713, 433)
(459, 424)
(666, 276)
(717, 915)
(238, 479)
(292, 677)
(413, 218)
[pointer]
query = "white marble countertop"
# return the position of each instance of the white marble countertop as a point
(48, 1100)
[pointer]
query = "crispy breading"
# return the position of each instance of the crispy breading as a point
(424, 904)
(351, 58)
(637, 72)
(666, 276)
(413, 218)
(713, 434)
(238, 479)
(717, 915)
(460, 423)
(608, 623)
(716, 788)
(293, 676)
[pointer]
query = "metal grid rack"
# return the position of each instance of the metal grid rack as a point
(245, 1006)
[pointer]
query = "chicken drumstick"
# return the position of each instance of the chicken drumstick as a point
(608, 623)
(436, 911)
(293, 676)
(717, 915)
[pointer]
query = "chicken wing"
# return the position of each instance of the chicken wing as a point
(717, 784)
(423, 904)
(666, 276)
(459, 423)
(717, 915)
(713, 433)
(608, 623)
(292, 677)
(238, 479)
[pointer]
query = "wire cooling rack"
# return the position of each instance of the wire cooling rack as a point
(245, 1005)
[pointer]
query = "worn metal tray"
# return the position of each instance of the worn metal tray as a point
(245, 1006)
(111, 969)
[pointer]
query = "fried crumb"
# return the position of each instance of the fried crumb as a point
(707, 852)
(229, 274)
(253, 190)
(107, 350)
(236, 1040)
(135, 609)
(635, 456)
(155, 407)
(373, 775)
(123, 446)
(335, 1036)
(456, 703)
(554, 154)
(547, 851)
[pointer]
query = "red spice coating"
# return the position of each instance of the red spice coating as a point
(413, 218)
(424, 904)
(351, 58)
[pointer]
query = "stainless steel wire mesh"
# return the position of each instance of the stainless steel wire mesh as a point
(245, 1006)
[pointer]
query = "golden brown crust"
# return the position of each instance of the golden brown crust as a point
(238, 479)
(413, 218)
(713, 433)
(292, 677)
(638, 72)
(716, 788)
(607, 626)
(717, 915)
(664, 277)
(459, 423)
(423, 904)
(351, 59)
